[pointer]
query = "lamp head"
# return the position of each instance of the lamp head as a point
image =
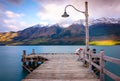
(65, 14)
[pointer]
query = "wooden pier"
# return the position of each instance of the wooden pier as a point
(67, 67)
(61, 67)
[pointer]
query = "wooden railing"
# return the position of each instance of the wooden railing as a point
(101, 58)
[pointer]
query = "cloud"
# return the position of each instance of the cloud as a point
(13, 24)
(2, 6)
(11, 21)
(52, 10)
(104, 8)
(16, 2)
(52, 1)
(52, 14)
(11, 14)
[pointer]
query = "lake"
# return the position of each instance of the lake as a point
(11, 65)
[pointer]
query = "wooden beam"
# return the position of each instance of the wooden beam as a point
(111, 59)
(97, 66)
(27, 69)
(95, 55)
(113, 76)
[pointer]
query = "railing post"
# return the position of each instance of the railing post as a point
(84, 51)
(101, 65)
(79, 55)
(90, 59)
(23, 57)
(94, 51)
(33, 51)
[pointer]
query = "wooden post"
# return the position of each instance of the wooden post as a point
(24, 52)
(79, 54)
(33, 51)
(23, 57)
(90, 59)
(36, 62)
(101, 65)
(86, 21)
(84, 51)
(30, 63)
(94, 51)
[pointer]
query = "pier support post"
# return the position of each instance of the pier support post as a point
(94, 51)
(36, 63)
(23, 57)
(33, 51)
(101, 65)
(30, 63)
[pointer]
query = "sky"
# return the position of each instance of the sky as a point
(17, 15)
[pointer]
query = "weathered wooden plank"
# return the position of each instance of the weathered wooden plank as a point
(65, 76)
(95, 55)
(86, 59)
(60, 80)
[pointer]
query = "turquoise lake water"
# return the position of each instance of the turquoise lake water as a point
(11, 65)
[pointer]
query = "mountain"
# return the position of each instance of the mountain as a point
(51, 35)
(105, 31)
(7, 37)
(104, 20)
(100, 29)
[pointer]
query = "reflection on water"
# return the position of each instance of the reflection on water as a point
(10, 58)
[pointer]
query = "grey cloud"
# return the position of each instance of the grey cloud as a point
(104, 8)
(3, 28)
(2, 6)
(52, 1)
(99, 8)
(43, 3)
(16, 2)
(2, 16)
(41, 8)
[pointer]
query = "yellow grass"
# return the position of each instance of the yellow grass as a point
(104, 42)
(7, 36)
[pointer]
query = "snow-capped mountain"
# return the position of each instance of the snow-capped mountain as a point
(100, 29)
(104, 20)
(99, 20)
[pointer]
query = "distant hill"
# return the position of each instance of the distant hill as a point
(57, 35)
(103, 31)
(50, 35)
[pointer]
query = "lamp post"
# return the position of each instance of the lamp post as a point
(86, 21)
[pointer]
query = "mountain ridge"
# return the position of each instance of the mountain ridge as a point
(57, 35)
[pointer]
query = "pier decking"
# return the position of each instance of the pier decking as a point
(61, 67)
